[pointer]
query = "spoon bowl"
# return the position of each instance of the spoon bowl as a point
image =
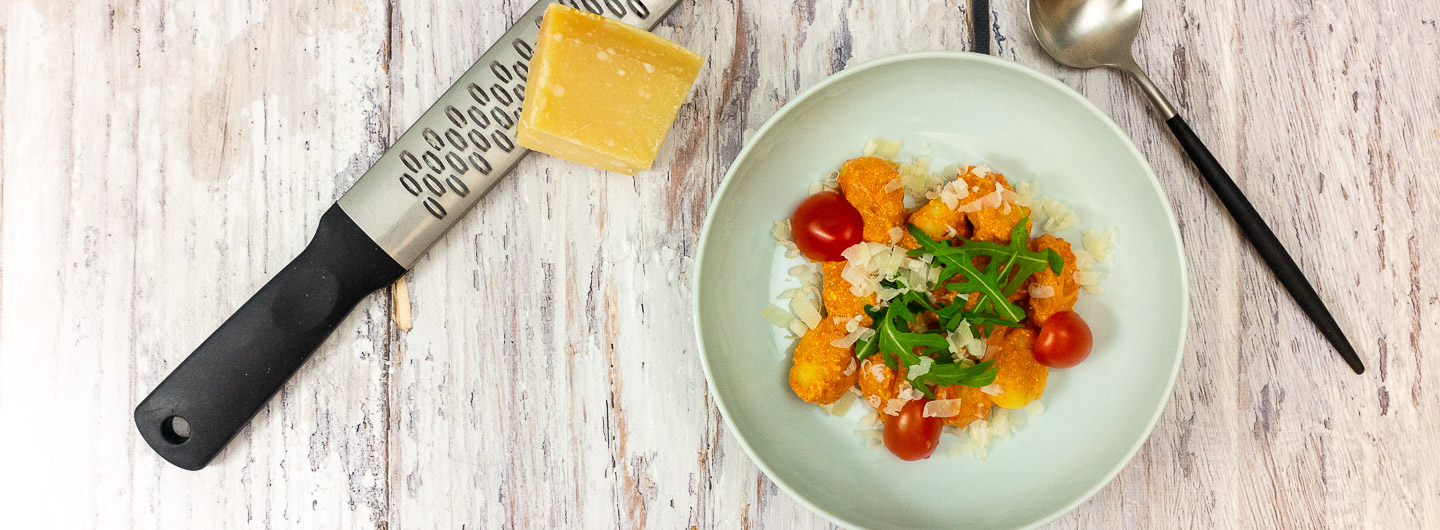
(1087, 33)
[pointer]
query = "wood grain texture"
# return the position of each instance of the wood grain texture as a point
(160, 160)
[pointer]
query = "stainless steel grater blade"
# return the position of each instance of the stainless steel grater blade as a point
(418, 189)
(449, 158)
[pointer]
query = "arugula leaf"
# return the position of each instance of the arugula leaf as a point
(978, 375)
(892, 329)
(901, 348)
(954, 315)
(946, 372)
(998, 278)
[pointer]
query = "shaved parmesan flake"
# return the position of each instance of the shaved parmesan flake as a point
(868, 264)
(882, 148)
(942, 408)
(894, 185)
(805, 310)
(1083, 259)
(999, 426)
(992, 389)
(1087, 278)
(976, 348)
(907, 392)
(849, 370)
(777, 316)
(1098, 243)
(1058, 217)
(1041, 291)
(987, 201)
(877, 370)
(963, 342)
(874, 401)
(1065, 222)
(919, 369)
(1026, 190)
(870, 420)
(896, 233)
(884, 294)
(857, 253)
(842, 405)
(782, 230)
(893, 406)
(798, 328)
(1012, 197)
(851, 338)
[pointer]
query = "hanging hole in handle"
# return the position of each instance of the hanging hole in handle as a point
(175, 430)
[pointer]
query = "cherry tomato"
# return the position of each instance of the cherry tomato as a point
(910, 435)
(824, 225)
(1064, 341)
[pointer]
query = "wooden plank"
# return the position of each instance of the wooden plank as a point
(163, 159)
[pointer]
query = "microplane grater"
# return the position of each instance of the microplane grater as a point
(464, 143)
(402, 205)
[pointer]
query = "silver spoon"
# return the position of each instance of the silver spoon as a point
(1091, 33)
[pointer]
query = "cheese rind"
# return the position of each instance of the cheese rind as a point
(601, 92)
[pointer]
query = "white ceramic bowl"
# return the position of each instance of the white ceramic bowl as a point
(970, 109)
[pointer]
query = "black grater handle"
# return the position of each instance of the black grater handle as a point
(213, 393)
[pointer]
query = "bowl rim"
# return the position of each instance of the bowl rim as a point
(789, 106)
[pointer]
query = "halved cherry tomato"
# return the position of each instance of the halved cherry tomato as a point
(824, 225)
(910, 435)
(1064, 341)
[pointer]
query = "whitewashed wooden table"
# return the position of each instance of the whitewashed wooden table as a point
(161, 160)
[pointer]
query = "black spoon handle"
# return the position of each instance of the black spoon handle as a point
(1264, 241)
(215, 391)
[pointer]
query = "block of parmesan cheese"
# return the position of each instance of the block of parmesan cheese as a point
(602, 92)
